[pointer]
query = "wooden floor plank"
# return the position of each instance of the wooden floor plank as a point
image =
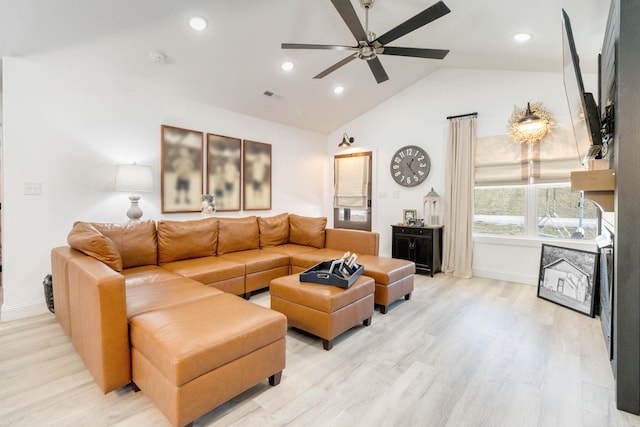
(474, 352)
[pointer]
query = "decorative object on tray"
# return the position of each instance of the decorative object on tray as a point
(208, 205)
(342, 272)
(568, 278)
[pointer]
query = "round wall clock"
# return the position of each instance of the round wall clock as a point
(410, 166)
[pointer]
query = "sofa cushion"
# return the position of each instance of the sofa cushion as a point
(88, 240)
(207, 270)
(185, 341)
(136, 241)
(274, 230)
(237, 234)
(178, 240)
(146, 297)
(147, 274)
(308, 231)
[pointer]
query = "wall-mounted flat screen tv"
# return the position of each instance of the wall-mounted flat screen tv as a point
(585, 118)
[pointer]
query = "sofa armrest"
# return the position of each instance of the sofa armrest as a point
(356, 241)
(98, 311)
(60, 257)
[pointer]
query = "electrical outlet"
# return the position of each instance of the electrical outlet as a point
(32, 188)
(396, 194)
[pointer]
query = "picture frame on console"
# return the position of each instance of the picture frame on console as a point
(409, 216)
(568, 277)
(181, 169)
(257, 176)
(223, 171)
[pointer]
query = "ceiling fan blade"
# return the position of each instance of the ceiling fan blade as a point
(378, 71)
(349, 16)
(415, 52)
(428, 15)
(316, 46)
(336, 66)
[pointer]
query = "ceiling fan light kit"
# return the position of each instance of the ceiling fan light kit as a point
(368, 46)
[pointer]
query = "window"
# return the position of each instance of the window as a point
(524, 190)
(352, 191)
(555, 212)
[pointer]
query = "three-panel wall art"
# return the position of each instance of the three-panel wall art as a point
(238, 172)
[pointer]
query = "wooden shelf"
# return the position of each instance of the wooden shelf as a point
(598, 186)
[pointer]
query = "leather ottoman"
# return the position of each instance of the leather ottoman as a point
(191, 358)
(323, 310)
(394, 278)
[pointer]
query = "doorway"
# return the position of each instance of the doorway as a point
(352, 191)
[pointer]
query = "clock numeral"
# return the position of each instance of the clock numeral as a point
(396, 167)
(397, 160)
(423, 165)
(420, 173)
(401, 154)
(421, 158)
(397, 173)
(409, 151)
(408, 180)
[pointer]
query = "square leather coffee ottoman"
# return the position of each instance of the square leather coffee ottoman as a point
(323, 310)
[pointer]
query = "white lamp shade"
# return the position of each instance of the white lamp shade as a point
(134, 178)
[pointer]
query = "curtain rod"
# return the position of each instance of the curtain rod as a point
(462, 115)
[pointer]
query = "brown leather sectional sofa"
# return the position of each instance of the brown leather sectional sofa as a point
(131, 298)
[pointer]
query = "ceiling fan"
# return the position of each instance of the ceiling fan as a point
(369, 46)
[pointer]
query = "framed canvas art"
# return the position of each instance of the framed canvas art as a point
(257, 176)
(223, 171)
(568, 277)
(181, 163)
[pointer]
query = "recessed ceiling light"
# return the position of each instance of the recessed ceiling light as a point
(197, 23)
(522, 37)
(287, 66)
(338, 90)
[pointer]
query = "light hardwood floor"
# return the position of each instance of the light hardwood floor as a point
(460, 353)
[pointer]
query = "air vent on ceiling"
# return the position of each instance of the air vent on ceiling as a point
(270, 94)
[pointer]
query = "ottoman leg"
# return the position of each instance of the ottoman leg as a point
(407, 297)
(274, 379)
(135, 387)
(367, 322)
(383, 309)
(327, 344)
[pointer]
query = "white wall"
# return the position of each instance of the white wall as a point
(67, 130)
(418, 116)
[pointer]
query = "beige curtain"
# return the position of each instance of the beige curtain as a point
(459, 184)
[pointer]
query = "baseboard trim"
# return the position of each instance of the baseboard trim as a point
(20, 311)
(501, 275)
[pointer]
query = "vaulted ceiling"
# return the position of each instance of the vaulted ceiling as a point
(237, 58)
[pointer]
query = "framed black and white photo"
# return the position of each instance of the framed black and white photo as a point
(257, 176)
(409, 216)
(223, 171)
(568, 277)
(181, 177)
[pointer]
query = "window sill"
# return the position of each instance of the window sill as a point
(524, 241)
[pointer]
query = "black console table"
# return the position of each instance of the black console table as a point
(422, 245)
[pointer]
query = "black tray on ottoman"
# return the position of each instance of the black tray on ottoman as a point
(319, 273)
